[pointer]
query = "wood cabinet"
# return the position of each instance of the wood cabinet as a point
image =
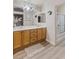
(25, 37)
(40, 34)
(16, 39)
(44, 33)
(22, 39)
(33, 35)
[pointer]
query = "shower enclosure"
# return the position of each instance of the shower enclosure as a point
(60, 23)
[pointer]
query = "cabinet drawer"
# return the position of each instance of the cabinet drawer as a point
(33, 35)
(33, 39)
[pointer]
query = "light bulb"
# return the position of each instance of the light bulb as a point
(28, 8)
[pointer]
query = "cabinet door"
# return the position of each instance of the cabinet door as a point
(39, 34)
(43, 33)
(33, 35)
(16, 39)
(26, 37)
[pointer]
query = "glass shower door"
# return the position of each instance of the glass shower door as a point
(60, 23)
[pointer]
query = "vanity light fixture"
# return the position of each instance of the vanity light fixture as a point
(50, 12)
(35, 16)
(27, 7)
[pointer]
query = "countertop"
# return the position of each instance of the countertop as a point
(20, 28)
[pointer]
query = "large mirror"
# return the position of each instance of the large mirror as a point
(24, 13)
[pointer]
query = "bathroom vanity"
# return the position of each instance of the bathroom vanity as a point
(25, 36)
(28, 27)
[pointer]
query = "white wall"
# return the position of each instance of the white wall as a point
(61, 9)
(50, 19)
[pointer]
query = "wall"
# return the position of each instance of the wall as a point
(61, 9)
(50, 19)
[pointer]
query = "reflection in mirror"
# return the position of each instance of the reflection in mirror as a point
(42, 18)
(27, 10)
(18, 20)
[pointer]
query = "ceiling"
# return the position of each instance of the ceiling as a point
(38, 2)
(21, 3)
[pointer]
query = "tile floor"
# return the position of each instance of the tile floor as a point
(42, 50)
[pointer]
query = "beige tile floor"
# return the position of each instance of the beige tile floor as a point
(42, 50)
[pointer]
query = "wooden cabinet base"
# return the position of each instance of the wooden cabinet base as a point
(17, 50)
(24, 39)
(20, 48)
